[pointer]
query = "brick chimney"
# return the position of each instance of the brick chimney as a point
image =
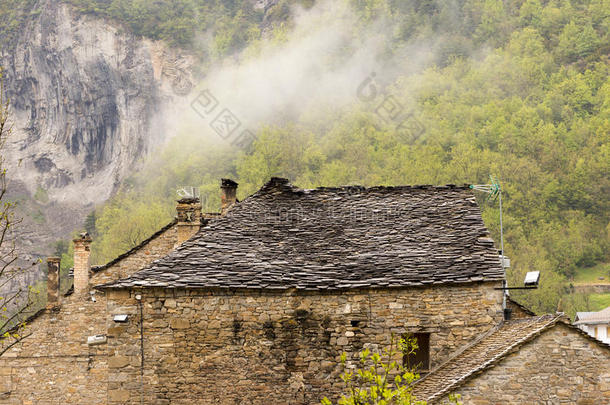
(53, 265)
(188, 212)
(228, 195)
(82, 266)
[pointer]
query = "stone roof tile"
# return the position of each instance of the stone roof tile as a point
(334, 238)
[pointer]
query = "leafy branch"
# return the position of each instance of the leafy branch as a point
(16, 305)
(381, 379)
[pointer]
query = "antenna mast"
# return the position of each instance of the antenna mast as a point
(494, 190)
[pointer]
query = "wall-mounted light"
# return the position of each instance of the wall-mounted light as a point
(531, 282)
(96, 340)
(531, 278)
(121, 318)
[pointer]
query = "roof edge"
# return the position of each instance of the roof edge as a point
(585, 334)
(97, 269)
(492, 362)
(110, 285)
(523, 307)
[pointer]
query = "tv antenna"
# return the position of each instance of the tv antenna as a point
(188, 192)
(493, 191)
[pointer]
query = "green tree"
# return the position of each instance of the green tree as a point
(381, 378)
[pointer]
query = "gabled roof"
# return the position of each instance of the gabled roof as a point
(334, 238)
(591, 318)
(582, 315)
(485, 352)
(144, 243)
(480, 355)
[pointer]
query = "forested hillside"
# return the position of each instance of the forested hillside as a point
(514, 89)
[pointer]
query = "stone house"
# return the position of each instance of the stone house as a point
(596, 324)
(256, 304)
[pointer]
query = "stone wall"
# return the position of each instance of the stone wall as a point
(560, 366)
(517, 310)
(55, 365)
(254, 347)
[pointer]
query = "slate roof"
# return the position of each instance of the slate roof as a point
(487, 351)
(481, 355)
(334, 238)
(590, 318)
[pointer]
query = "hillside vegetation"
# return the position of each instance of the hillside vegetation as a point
(517, 89)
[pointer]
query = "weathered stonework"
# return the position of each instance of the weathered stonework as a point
(242, 319)
(55, 365)
(559, 366)
(53, 264)
(82, 253)
(261, 347)
(156, 248)
(517, 310)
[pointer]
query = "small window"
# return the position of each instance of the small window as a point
(420, 360)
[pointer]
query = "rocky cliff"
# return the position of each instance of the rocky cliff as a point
(87, 100)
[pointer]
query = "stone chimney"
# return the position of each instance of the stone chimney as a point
(189, 218)
(53, 265)
(228, 195)
(82, 266)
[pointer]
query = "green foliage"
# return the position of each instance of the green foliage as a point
(381, 378)
(599, 301)
(533, 110)
(60, 247)
(593, 275)
(232, 24)
(120, 230)
(13, 15)
(89, 225)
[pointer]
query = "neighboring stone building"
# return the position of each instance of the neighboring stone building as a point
(596, 324)
(534, 360)
(259, 303)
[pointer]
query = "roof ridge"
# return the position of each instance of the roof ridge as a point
(522, 307)
(285, 184)
(553, 319)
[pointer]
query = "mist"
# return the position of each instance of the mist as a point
(329, 60)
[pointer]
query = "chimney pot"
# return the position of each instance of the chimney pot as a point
(228, 196)
(53, 266)
(82, 266)
(188, 212)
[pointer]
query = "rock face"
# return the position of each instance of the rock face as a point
(87, 100)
